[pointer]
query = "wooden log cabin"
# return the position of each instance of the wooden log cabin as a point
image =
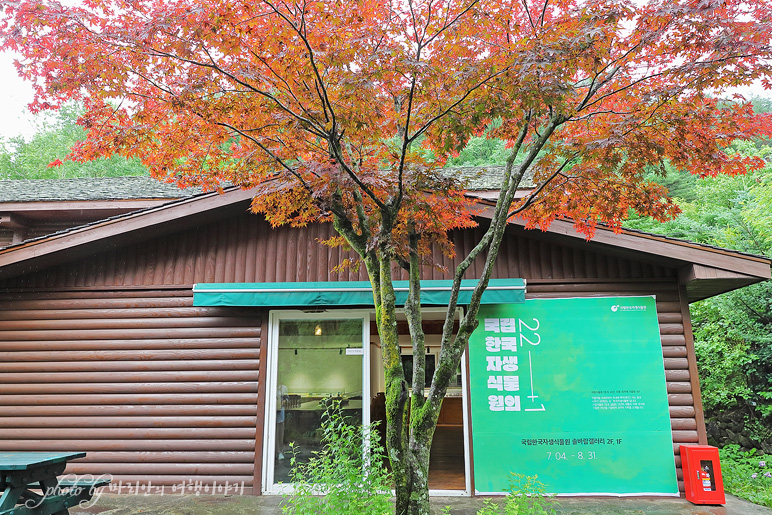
(104, 348)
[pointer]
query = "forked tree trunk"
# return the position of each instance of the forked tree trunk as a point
(412, 420)
(418, 418)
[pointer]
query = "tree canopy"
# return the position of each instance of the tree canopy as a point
(324, 96)
(346, 111)
(733, 332)
(43, 155)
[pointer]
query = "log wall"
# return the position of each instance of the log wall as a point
(108, 354)
(151, 387)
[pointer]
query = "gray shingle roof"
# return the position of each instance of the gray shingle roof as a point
(123, 188)
(91, 188)
(481, 178)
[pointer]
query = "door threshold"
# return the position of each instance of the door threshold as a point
(448, 493)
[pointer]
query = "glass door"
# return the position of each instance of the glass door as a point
(314, 360)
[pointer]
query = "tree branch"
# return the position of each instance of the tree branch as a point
(531, 198)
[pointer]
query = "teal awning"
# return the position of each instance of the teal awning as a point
(347, 293)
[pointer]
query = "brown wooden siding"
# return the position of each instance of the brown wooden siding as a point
(151, 387)
(246, 249)
(114, 346)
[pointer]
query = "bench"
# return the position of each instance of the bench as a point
(84, 482)
(69, 493)
(29, 485)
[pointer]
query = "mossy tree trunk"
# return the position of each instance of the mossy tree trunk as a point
(411, 413)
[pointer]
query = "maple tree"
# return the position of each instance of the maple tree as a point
(345, 112)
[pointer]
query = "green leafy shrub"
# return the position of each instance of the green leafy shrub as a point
(732, 331)
(733, 342)
(526, 496)
(747, 474)
(55, 135)
(341, 478)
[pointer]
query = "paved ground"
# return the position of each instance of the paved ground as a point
(269, 505)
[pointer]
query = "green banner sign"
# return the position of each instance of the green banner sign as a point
(571, 390)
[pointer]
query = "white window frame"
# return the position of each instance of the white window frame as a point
(269, 487)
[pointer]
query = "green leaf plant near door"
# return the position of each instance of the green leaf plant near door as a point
(340, 478)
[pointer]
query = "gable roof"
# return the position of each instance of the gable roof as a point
(32, 204)
(92, 188)
(477, 178)
(706, 270)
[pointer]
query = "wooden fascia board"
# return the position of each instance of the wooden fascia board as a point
(658, 248)
(700, 272)
(83, 205)
(47, 251)
(685, 252)
(702, 282)
(678, 250)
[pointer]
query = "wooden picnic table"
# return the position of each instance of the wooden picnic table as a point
(30, 484)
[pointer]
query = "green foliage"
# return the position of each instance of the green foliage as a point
(733, 331)
(526, 496)
(747, 474)
(481, 151)
(733, 335)
(55, 135)
(489, 508)
(680, 184)
(761, 104)
(484, 150)
(341, 478)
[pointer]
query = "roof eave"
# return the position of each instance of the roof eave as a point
(39, 253)
(731, 269)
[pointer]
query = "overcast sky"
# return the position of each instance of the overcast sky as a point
(15, 94)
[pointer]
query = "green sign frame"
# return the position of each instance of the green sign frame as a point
(572, 391)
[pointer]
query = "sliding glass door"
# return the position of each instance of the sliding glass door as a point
(314, 360)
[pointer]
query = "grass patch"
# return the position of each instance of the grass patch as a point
(526, 496)
(747, 474)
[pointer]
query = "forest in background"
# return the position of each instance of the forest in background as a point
(55, 134)
(733, 332)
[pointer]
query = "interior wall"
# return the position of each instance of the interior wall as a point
(377, 379)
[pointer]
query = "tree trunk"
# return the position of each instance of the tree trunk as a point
(413, 498)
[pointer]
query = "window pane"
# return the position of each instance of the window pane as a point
(313, 369)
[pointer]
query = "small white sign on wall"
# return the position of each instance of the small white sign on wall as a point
(355, 352)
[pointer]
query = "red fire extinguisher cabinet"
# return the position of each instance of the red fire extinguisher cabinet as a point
(702, 474)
